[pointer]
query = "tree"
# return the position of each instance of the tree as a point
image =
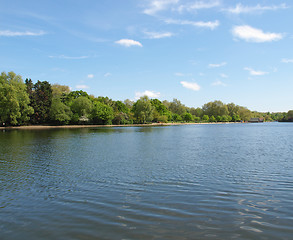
(59, 112)
(60, 91)
(205, 118)
(81, 107)
(102, 113)
(161, 113)
(143, 110)
(41, 100)
(187, 117)
(289, 116)
(212, 119)
(177, 107)
(14, 100)
(216, 108)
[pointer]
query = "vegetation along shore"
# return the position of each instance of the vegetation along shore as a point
(42, 105)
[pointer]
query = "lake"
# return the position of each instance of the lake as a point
(228, 181)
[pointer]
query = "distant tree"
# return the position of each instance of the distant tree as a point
(216, 108)
(102, 113)
(212, 119)
(81, 107)
(41, 100)
(289, 116)
(160, 111)
(14, 100)
(60, 91)
(196, 119)
(205, 118)
(143, 110)
(187, 117)
(196, 112)
(59, 112)
(177, 107)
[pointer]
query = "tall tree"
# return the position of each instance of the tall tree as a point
(143, 110)
(14, 100)
(41, 100)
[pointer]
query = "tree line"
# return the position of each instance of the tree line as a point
(28, 103)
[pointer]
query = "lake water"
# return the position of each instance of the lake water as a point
(230, 181)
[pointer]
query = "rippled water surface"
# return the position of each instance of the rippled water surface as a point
(231, 181)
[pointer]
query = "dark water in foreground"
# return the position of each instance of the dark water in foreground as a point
(179, 182)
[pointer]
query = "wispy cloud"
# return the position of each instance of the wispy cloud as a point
(219, 83)
(251, 34)
(211, 25)
(223, 75)
(82, 87)
(178, 74)
(107, 74)
(239, 8)
(156, 6)
(150, 94)
(286, 60)
(158, 35)
(128, 43)
(199, 5)
(90, 75)
(190, 85)
(254, 72)
(69, 57)
(8, 33)
(216, 65)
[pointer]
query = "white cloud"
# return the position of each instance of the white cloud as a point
(158, 35)
(216, 65)
(179, 74)
(251, 34)
(150, 94)
(90, 75)
(198, 5)
(159, 5)
(254, 9)
(219, 83)
(128, 43)
(8, 33)
(107, 74)
(211, 25)
(223, 75)
(190, 85)
(68, 57)
(254, 72)
(81, 87)
(286, 60)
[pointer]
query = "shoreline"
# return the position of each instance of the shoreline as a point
(38, 127)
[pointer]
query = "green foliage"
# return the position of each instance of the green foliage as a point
(60, 91)
(14, 100)
(196, 112)
(59, 112)
(177, 107)
(187, 117)
(81, 106)
(143, 110)
(41, 100)
(205, 118)
(102, 113)
(216, 108)
(161, 113)
(212, 119)
(176, 117)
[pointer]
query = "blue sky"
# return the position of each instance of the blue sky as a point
(193, 50)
